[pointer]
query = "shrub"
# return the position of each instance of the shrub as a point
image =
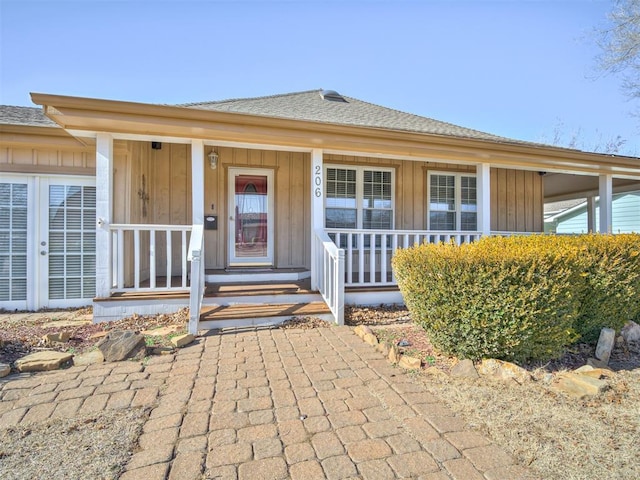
(520, 298)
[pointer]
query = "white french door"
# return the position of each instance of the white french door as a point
(251, 217)
(47, 242)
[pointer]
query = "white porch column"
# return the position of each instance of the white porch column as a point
(606, 202)
(483, 196)
(591, 215)
(104, 212)
(317, 209)
(197, 182)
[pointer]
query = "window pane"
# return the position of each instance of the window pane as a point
(377, 219)
(442, 220)
(468, 193)
(377, 189)
(469, 221)
(340, 218)
(341, 203)
(442, 193)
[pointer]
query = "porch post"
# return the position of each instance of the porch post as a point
(197, 182)
(606, 201)
(104, 211)
(317, 209)
(591, 215)
(483, 198)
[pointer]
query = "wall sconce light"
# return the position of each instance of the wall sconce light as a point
(213, 159)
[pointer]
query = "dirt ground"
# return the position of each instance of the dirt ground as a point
(555, 435)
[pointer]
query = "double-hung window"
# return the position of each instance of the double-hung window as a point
(358, 198)
(452, 202)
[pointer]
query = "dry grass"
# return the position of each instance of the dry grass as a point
(557, 436)
(89, 447)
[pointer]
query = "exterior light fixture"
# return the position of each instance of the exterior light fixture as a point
(213, 159)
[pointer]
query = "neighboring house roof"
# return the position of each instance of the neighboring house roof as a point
(28, 116)
(555, 208)
(325, 106)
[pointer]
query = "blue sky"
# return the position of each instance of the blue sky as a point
(520, 69)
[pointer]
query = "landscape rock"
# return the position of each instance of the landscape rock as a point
(59, 337)
(410, 363)
(394, 354)
(384, 348)
(362, 330)
(121, 344)
(42, 361)
(163, 350)
(5, 369)
(605, 344)
(464, 369)
(631, 332)
(504, 370)
(595, 363)
(579, 385)
(182, 340)
(371, 339)
(589, 371)
(89, 358)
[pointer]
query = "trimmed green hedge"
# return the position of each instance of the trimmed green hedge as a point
(520, 297)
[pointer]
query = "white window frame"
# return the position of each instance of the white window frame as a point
(457, 196)
(360, 169)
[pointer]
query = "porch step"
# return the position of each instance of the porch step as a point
(245, 315)
(251, 275)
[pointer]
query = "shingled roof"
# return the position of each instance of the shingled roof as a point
(29, 116)
(314, 106)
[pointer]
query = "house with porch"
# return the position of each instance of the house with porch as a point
(251, 211)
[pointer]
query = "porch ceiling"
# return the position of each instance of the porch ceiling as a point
(558, 186)
(85, 117)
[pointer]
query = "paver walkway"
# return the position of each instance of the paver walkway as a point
(270, 404)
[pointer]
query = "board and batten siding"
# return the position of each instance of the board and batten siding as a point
(48, 160)
(517, 196)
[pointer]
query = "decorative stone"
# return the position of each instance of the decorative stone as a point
(394, 354)
(42, 361)
(410, 363)
(362, 330)
(163, 350)
(504, 370)
(182, 340)
(89, 358)
(595, 363)
(371, 339)
(5, 369)
(589, 371)
(578, 385)
(99, 334)
(605, 344)
(122, 344)
(383, 348)
(464, 369)
(631, 332)
(59, 337)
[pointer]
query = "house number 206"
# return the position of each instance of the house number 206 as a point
(317, 179)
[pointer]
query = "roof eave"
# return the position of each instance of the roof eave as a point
(95, 115)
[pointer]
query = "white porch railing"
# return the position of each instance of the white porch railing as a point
(136, 265)
(368, 253)
(196, 257)
(330, 274)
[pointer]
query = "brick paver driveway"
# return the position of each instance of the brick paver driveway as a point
(271, 404)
